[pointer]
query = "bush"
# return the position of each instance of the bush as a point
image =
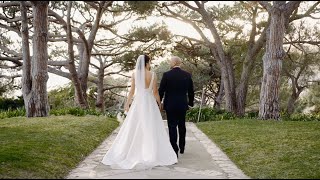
(251, 114)
(208, 114)
(59, 112)
(301, 117)
(76, 111)
(111, 114)
(212, 114)
(93, 112)
(9, 103)
(12, 113)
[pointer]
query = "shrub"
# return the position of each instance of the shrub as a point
(58, 112)
(208, 114)
(251, 114)
(302, 117)
(76, 111)
(12, 113)
(111, 114)
(93, 112)
(9, 103)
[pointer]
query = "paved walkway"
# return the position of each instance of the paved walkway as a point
(202, 159)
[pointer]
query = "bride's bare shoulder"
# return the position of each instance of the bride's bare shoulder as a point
(132, 75)
(148, 73)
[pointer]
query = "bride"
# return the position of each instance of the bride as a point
(142, 141)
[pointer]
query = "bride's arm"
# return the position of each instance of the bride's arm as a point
(130, 95)
(155, 90)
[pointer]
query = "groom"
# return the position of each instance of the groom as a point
(176, 85)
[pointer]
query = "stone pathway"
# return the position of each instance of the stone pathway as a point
(202, 159)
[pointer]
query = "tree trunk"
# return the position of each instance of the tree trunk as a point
(272, 62)
(229, 96)
(80, 100)
(232, 92)
(296, 91)
(86, 53)
(254, 47)
(224, 61)
(26, 68)
(39, 65)
(291, 103)
(100, 90)
(219, 96)
(227, 77)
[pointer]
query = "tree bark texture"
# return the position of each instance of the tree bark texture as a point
(26, 67)
(272, 63)
(39, 65)
(80, 99)
(100, 89)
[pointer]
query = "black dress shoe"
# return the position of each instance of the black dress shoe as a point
(181, 151)
(177, 154)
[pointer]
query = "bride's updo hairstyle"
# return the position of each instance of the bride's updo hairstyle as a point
(146, 60)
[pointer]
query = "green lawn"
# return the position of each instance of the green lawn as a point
(269, 149)
(49, 147)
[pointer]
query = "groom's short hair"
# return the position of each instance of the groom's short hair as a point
(176, 59)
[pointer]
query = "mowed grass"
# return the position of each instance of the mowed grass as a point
(269, 149)
(49, 147)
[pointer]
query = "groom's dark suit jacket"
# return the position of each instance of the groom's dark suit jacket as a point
(176, 85)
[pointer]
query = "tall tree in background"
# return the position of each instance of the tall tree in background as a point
(243, 48)
(217, 49)
(81, 100)
(221, 21)
(26, 68)
(85, 46)
(279, 12)
(35, 72)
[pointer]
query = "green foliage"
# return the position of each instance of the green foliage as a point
(12, 113)
(10, 103)
(314, 97)
(75, 111)
(127, 60)
(92, 112)
(61, 97)
(301, 117)
(251, 114)
(144, 34)
(61, 100)
(7, 86)
(311, 102)
(212, 114)
(151, 40)
(208, 114)
(111, 114)
(58, 112)
(142, 7)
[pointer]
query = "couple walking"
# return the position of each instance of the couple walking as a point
(142, 141)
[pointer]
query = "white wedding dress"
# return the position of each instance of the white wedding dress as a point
(142, 141)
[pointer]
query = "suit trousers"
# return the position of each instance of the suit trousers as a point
(177, 118)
